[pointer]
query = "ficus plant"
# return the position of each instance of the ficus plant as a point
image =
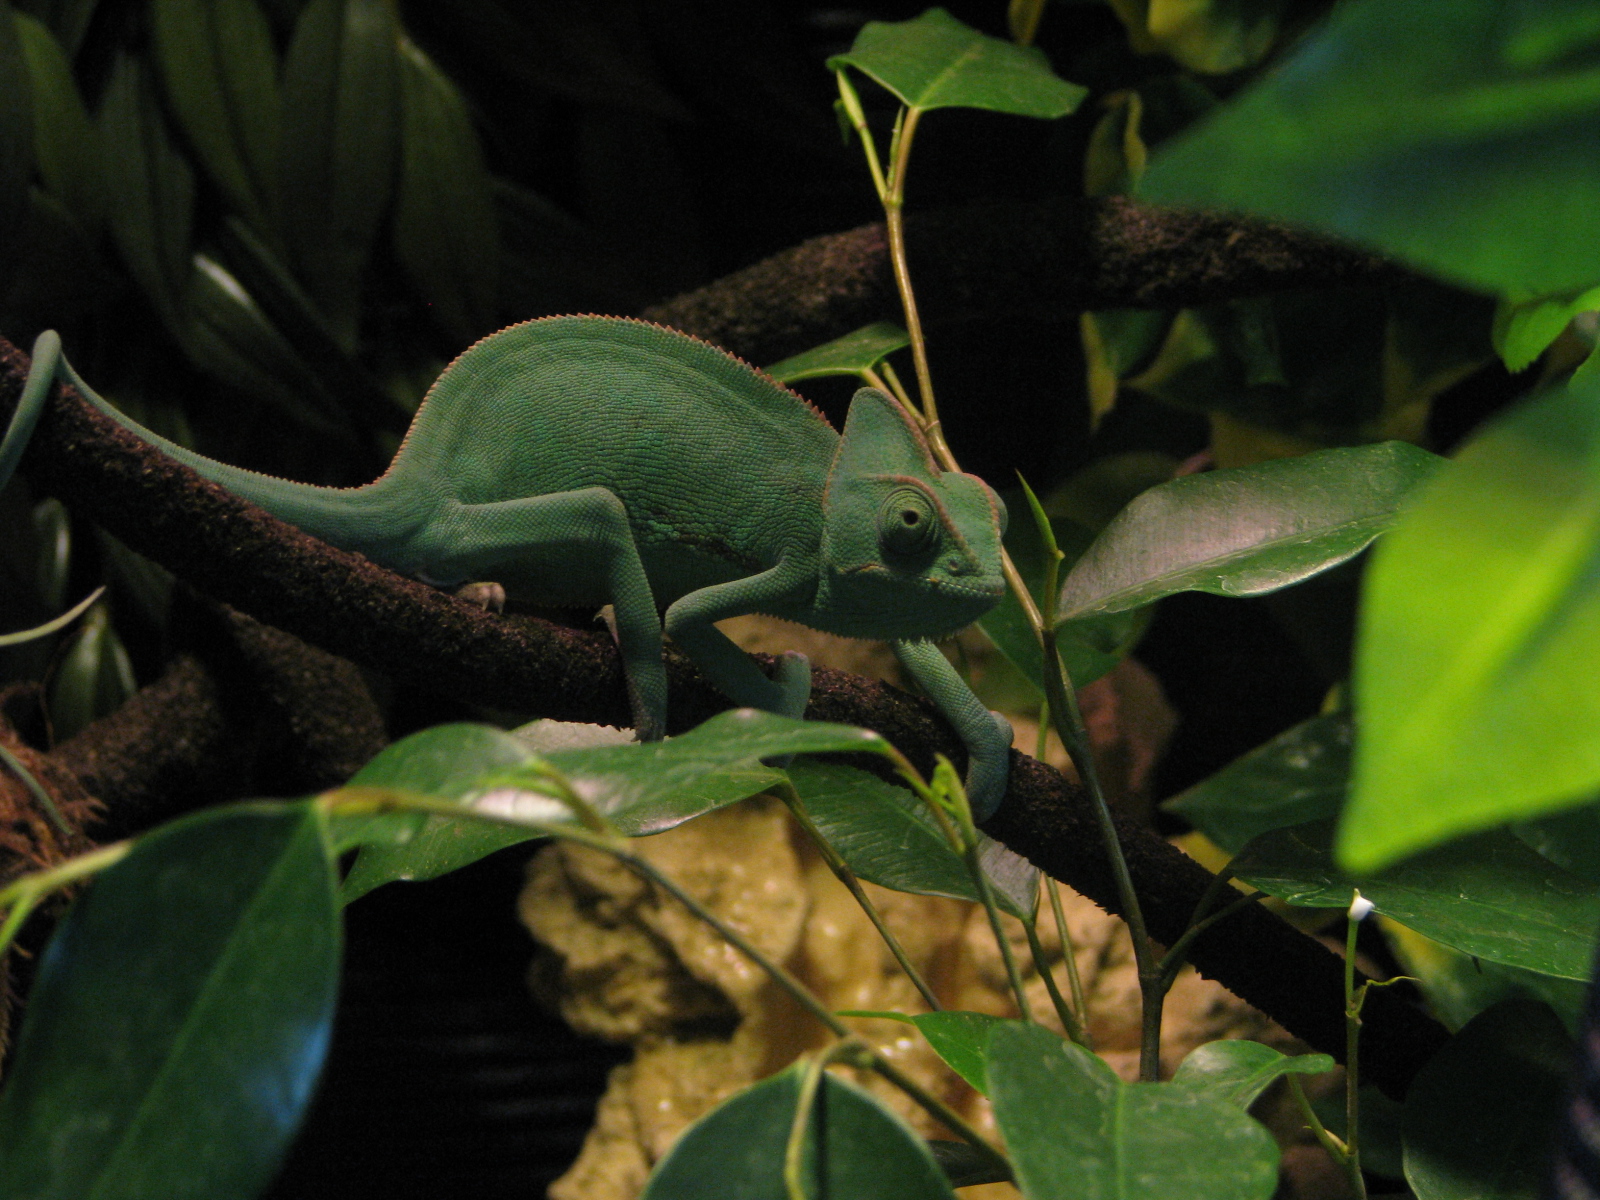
(180, 1012)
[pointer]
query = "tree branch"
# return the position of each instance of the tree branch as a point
(1047, 260)
(239, 554)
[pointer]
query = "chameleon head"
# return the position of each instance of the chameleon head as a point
(908, 550)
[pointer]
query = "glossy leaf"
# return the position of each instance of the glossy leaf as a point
(854, 1147)
(1075, 1130)
(1301, 775)
(180, 1016)
(341, 117)
(1487, 895)
(221, 77)
(444, 220)
(1570, 839)
(641, 789)
(935, 61)
(960, 1038)
(1524, 330)
(887, 837)
(1455, 134)
(443, 763)
(849, 355)
(1238, 1071)
(1458, 986)
(1246, 530)
(65, 148)
(152, 220)
(1463, 1140)
(1480, 624)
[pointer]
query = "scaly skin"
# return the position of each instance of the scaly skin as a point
(580, 461)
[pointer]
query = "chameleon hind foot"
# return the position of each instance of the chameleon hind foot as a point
(793, 677)
(488, 596)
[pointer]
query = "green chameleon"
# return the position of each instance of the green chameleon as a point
(588, 460)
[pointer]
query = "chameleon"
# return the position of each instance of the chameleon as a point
(583, 461)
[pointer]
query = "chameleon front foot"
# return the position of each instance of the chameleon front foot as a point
(488, 596)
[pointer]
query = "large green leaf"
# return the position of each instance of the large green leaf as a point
(1458, 986)
(1480, 629)
(641, 789)
(1239, 1071)
(854, 1147)
(1487, 895)
(444, 223)
(341, 119)
(935, 61)
(1301, 775)
(1481, 1116)
(1246, 530)
(180, 1016)
(848, 355)
(1523, 330)
(1457, 134)
(221, 77)
(1077, 1132)
(887, 836)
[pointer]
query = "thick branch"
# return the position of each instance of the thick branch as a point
(1046, 260)
(343, 603)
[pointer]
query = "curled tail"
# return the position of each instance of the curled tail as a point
(367, 519)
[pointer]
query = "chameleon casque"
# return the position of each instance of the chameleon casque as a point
(579, 461)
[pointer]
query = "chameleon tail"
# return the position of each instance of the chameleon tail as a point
(364, 519)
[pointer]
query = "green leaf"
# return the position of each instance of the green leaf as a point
(341, 120)
(1487, 895)
(180, 1016)
(641, 789)
(1418, 127)
(1523, 330)
(221, 77)
(964, 1165)
(1569, 839)
(1246, 530)
(93, 679)
(443, 763)
(1480, 625)
(63, 139)
(444, 223)
(1238, 1071)
(1301, 775)
(960, 1038)
(935, 61)
(888, 837)
(1075, 1130)
(1458, 986)
(849, 355)
(1481, 1117)
(854, 1147)
(152, 220)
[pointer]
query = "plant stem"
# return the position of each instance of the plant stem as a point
(1069, 1019)
(843, 873)
(857, 117)
(1352, 1063)
(1070, 953)
(793, 1164)
(986, 894)
(898, 389)
(21, 896)
(1329, 1141)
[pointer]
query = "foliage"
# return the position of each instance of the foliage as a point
(303, 204)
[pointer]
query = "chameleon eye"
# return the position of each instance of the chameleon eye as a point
(907, 524)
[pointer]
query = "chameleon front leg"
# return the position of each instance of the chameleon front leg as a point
(987, 735)
(730, 669)
(588, 527)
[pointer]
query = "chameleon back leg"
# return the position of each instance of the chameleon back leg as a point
(571, 547)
